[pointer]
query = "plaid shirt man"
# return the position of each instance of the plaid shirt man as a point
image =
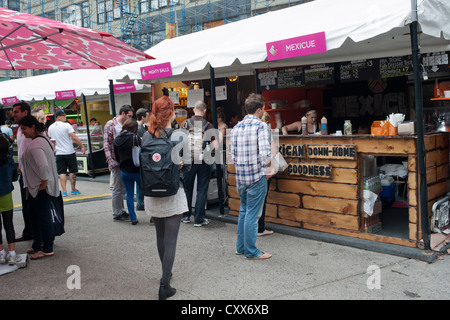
(111, 130)
(250, 149)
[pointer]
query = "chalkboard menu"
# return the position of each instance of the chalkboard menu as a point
(319, 74)
(358, 70)
(366, 69)
(283, 78)
(395, 66)
(436, 63)
(291, 78)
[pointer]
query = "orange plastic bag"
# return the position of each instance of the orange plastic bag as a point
(377, 130)
(387, 129)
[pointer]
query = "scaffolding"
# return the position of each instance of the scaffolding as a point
(142, 23)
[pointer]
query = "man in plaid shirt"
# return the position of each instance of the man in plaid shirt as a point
(251, 154)
(111, 131)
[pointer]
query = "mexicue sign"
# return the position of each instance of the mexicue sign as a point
(66, 94)
(161, 70)
(295, 47)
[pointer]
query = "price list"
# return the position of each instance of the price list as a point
(358, 70)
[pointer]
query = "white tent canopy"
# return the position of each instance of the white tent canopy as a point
(354, 29)
(88, 82)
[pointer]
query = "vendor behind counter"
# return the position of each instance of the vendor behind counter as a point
(312, 126)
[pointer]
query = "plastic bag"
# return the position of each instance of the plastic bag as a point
(369, 201)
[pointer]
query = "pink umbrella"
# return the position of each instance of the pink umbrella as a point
(33, 42)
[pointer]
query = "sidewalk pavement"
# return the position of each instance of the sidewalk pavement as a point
(98, 258)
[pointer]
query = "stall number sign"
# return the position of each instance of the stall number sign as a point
(315, 151)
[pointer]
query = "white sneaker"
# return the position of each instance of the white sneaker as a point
(12, 260)
(2, 258)
(204, 223)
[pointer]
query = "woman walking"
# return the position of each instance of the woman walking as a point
(42, 183)
(165, 211)
(123, 146)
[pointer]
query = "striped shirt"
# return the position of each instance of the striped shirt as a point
(250, 149)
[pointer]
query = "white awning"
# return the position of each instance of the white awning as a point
(354, 29)
(88, 82)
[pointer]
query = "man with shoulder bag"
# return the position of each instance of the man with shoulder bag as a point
(196, 126)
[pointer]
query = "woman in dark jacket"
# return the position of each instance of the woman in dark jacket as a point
(123, 145)
(8, 174)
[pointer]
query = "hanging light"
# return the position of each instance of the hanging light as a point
(233, 79)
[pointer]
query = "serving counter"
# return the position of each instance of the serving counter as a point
(322, 189)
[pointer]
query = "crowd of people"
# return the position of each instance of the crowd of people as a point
(44, 162)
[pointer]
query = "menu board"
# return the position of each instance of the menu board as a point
(319, 74)
(291, 78)
(436, 63)
(395, 66)
(365, 69)
(283, 78)
(358, 70)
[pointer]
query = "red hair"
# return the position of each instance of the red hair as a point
(162, 112)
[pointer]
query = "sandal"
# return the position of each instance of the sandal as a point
(262, 256)
(40, 255)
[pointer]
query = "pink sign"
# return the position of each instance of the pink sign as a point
(161, 70)
(66, 94)
(124, 87)
(295, 47)
(10, 100)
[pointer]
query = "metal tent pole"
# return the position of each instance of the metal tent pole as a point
(88, 133)
(111, 98)
(421, 153)
(215, 123)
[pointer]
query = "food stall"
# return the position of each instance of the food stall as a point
(322, 188)
(348, 31)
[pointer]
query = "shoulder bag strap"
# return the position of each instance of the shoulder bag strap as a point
(49, 143)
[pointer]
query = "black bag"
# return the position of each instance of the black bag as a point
(160, 177)
(57, 210)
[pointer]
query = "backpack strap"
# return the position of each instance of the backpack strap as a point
(191, 124)
(168, 134)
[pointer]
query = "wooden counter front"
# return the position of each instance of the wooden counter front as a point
(334, 204)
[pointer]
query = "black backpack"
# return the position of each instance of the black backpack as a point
(160, 177)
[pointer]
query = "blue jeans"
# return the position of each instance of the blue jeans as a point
(252, 202)
(139, 196)
(128, 181)
(203, 173)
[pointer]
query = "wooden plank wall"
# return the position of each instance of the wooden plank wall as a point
(333, 205)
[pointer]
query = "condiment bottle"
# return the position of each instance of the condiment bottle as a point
(437, 90)
(323, 126)
(347, 127)
(304, 126)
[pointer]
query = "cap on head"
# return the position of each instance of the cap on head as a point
(59, 112)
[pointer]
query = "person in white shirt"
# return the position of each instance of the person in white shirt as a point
(66, 159)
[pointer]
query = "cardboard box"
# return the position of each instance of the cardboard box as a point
(407, 127)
